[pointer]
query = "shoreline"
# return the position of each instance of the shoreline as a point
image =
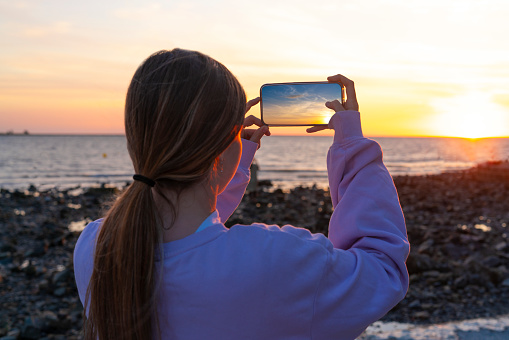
(458, 226)
(481, 328)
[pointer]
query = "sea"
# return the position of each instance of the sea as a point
(57, 161)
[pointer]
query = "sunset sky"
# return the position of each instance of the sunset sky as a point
(298, 103)
(421, 67)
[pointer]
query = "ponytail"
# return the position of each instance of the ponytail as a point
(121, 294)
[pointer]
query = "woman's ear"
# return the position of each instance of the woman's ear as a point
(227, 163)
(214, 177)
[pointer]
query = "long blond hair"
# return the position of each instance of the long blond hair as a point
(182, 111)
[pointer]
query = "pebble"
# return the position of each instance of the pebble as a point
(422, 314)
(60, 291)
(29, 331)
(61, 276)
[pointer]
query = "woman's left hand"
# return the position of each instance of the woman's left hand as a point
(254, 135)
(350, 103)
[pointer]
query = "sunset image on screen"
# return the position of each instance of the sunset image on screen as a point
(298, 104)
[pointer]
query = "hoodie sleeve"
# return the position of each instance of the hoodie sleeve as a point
(230, 198)
(364, 274)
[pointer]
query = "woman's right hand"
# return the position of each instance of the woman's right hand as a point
(350, 103)
(254, 135)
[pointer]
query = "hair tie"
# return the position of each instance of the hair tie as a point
(145, 180)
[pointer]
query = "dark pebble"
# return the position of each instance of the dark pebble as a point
(29, 331)
(60, 291)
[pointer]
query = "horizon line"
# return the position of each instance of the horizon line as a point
(273, 135)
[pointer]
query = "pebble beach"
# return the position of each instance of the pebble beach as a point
(458, 226)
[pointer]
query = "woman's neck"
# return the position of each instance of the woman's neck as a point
(192, 207)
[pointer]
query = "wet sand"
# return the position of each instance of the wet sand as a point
(457, 225)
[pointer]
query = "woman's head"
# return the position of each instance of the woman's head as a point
(182, 110)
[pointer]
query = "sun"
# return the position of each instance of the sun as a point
(324, 116)
(325, 119)
(471, 115)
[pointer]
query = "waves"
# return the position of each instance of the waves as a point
(68, 161)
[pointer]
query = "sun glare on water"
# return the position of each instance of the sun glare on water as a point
(472, 115)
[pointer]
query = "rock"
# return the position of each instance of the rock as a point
(4, 325)
(36, 251)
(76, 316)
(48, 321)
(18, 194)
(422, 315)
(43, 285)
(15, 332)
(29, 331)
(491, 261)
(102, 191)
(61, 276)
(426, 245)
(30, 270)
(5, 255)
(60, 291)
(418, 263)
(415, 304)
(501, 246)
(461, 282)
(60, 337)
(428, 306)
(7, 247)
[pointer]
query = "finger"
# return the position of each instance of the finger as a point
(259, 133)
(252, 120)
(351, 97)
(338, 78)
(316, 128)
(335, 105)
(252, 103)
(248, 133)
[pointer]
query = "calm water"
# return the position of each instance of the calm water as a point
(68, 161)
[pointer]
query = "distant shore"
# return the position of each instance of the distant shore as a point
(458, 226)
(12, 133)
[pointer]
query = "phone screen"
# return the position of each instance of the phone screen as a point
(298, 104)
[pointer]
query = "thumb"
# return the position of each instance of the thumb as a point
(335, 105)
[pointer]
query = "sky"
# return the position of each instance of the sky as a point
(421, 68)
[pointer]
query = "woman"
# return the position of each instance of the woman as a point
(163, 265)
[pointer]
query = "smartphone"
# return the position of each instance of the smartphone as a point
(298, 104)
